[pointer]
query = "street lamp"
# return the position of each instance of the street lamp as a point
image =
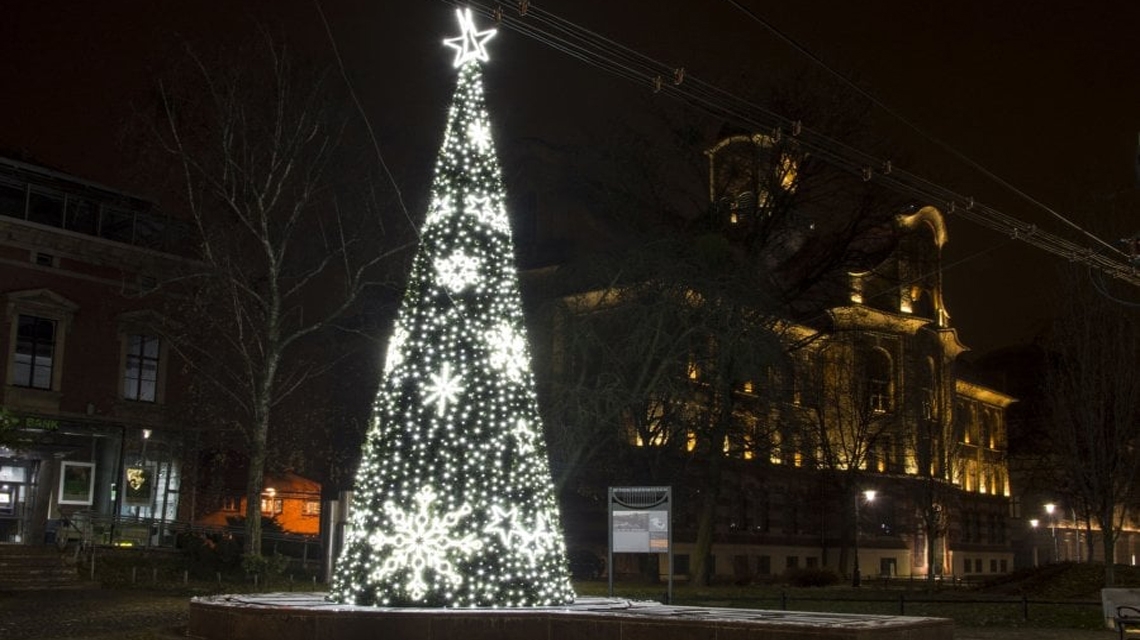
(1033, 522)
(867, 495)
(1049, 509)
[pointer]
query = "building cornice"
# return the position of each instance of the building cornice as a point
(982, 393)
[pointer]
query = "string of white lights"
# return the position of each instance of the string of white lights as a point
(617, 59)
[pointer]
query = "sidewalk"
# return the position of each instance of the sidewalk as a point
(1026, 633)
(90, 614)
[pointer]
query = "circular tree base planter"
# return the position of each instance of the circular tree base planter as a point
(307, 616)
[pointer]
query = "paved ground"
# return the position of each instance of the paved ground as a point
(82, 614)
(97, 614)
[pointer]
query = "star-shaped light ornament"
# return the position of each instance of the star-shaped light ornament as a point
(470, 44)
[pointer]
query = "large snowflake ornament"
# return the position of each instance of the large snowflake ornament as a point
(423, 540)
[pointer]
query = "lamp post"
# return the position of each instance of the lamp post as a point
(1033, 523)
(1049, 509)
(1077, 535)
(867, 495)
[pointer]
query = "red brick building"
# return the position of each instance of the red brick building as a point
(87, 385)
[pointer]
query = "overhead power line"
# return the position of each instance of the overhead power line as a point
(617, 59)
(907, 122)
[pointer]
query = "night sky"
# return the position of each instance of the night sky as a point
(1046, 95)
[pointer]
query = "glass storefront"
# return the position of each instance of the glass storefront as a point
(102, 484)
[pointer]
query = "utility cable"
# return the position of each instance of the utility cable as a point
(622, 61)
(911, 125)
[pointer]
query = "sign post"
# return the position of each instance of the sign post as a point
(641, 522)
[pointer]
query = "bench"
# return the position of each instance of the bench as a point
(1121, 609)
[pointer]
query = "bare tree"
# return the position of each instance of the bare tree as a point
(1093, 394)
(281, 248)
(846, 422)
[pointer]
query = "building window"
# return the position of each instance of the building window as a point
(35, 352)
(681, 563)
(271, 506)
(764, 565)
(231, 503)
(311, 508)
(792, 562)
(878, 375)
(140, 380)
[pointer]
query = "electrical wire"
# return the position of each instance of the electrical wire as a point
(911, 125)
(612, 57)
(367, 120)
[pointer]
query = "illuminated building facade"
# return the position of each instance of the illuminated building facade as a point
(293, 502)
(868, 394)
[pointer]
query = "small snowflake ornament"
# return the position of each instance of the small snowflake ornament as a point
(457, 271)
(444, 389)
(508, 351)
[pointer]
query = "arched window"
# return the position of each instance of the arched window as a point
(878, 371)
(926, 395)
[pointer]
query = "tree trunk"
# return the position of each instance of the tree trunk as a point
(255, 478)
(1108, 534)
(706, 525)
(706, 522)
(1090, 540)
(253, 486)
(1109, 540)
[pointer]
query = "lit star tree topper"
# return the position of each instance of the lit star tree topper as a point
(453, 503)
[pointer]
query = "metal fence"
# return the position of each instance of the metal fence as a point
(86, 529)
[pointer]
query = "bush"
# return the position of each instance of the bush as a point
(585, 565)
(210, 552)
(813, 577)
(265, 567)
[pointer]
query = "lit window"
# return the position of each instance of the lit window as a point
(140, 379)
(311, 508)
(271, 506)
(231, 503)
(879, 375)
(35, 351)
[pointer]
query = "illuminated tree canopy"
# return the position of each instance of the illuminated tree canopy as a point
(453, 503)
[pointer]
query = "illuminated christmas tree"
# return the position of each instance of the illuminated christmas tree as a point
(453, 503)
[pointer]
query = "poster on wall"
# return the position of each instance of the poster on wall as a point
(138, 484)
(77, 483)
